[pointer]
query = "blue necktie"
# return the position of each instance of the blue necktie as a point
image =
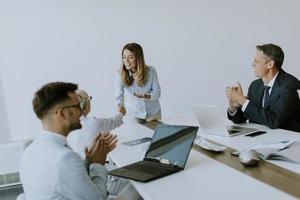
(266, 94)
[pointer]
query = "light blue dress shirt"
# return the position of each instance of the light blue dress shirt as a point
(141, 108)
(51, 170)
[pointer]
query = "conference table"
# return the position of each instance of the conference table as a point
(207, 175)
(210, 175)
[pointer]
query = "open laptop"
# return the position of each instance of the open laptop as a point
(211, 122)
(167, 154)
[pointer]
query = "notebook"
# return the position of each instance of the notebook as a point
(211, 122)
(167, 154)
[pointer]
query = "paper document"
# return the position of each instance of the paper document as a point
(282, 150)
(292, 152)
(208, 145)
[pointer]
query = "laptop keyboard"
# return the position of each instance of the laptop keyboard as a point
(149, 168)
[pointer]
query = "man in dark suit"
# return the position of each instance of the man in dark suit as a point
(272, 99)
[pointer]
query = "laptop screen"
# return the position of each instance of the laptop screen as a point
(172, 144)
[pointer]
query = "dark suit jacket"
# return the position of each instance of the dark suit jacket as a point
(282, 109)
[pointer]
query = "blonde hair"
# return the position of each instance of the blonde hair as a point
(140, 76)
(83, 98)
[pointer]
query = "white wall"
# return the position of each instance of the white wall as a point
(198, 48)
(4, 133)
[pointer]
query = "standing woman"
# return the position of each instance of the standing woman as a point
(139, 83)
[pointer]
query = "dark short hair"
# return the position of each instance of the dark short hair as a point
(50, 95)
(274, 52)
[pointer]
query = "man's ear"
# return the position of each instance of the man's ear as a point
(60, 113)
(271, 64)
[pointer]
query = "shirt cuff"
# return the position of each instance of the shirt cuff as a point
(119, 115)
(232, 113)
(97, 169)
(245, 105)
(119, 103)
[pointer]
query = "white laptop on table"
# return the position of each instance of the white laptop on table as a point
(211, 122)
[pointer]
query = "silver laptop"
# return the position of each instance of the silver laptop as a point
(211, 122)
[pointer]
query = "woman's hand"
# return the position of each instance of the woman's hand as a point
(142, 95)
(121, 109)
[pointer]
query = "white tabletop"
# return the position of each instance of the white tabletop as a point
(202, 178)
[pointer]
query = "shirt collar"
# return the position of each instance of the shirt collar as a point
(131, 74)
(271, 83)
(54, 137)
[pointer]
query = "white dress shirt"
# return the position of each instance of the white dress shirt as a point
(270, 84)
(51, 170)
(139, 107)
(81, 138)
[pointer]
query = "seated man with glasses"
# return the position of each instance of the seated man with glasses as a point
(272, 99)
(49, 168)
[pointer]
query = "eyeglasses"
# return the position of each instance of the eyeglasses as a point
(263, 62)
(73, 106)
